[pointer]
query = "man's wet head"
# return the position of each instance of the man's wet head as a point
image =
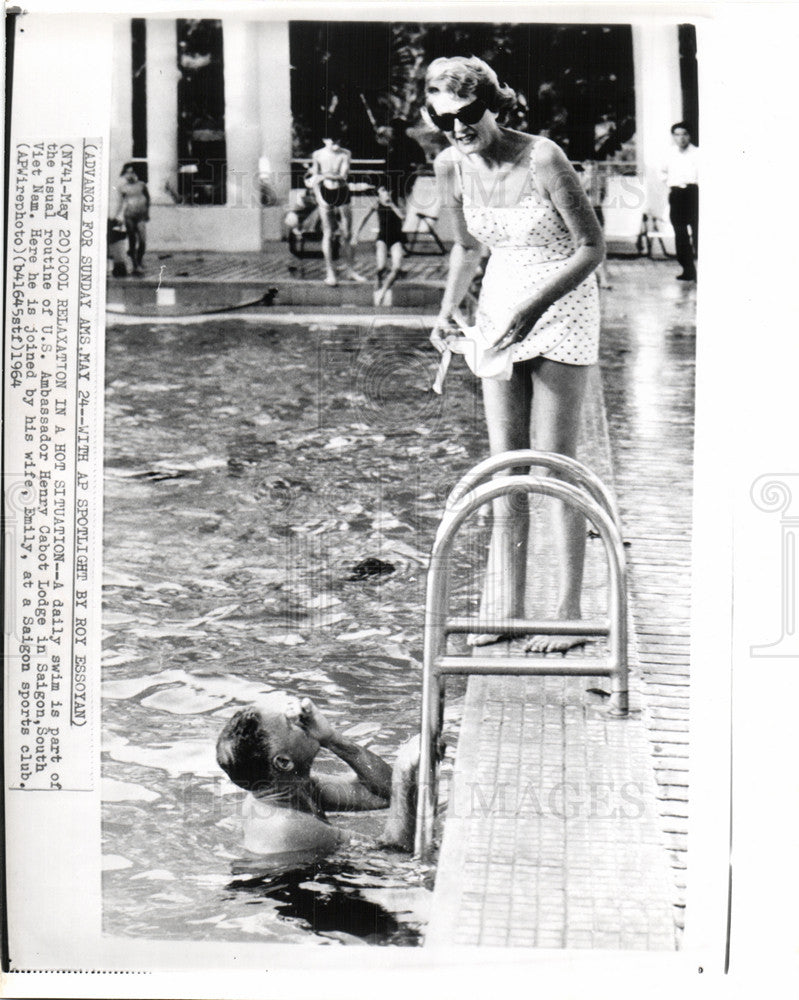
(265, 744)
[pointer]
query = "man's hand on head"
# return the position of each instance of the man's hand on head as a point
(314, 723)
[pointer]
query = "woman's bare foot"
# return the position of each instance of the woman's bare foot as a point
(553, 643)
(558, 643)
(485, 638)
(491, 615)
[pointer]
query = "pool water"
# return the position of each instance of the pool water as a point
(255, 475)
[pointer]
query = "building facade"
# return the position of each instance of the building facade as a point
(241, 206)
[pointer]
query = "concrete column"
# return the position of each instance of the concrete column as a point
(273, 110)
(242, 125)
(658, 104)
(121, 125)
(162, 107)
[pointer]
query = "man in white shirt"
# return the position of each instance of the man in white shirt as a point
(682, 177)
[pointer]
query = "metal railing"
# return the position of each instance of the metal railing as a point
(361, 171)
(587, 494)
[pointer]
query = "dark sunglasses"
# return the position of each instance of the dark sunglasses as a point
(468, 115)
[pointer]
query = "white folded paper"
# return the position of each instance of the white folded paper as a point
(441, 374)
(483, 359)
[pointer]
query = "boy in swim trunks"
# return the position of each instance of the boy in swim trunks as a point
(133, 209)
(269, 748)
(330, 168)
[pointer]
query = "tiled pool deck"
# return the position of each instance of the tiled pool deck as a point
(553, 837)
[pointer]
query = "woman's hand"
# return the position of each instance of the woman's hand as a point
(522, 322)
(314, 723)
(442, 332)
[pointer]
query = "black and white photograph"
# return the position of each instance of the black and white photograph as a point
(399, 530)
(375, 285)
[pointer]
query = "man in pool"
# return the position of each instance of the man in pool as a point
(268, 749)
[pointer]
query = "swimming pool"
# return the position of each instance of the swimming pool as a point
(252, 471)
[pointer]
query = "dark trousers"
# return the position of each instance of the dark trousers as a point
(684, 214)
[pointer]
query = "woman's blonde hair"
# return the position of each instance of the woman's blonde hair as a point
(468, 76)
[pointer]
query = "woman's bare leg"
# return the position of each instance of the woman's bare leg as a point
(507, 409)
(558, 394)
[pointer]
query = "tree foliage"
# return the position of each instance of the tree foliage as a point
(569, 78)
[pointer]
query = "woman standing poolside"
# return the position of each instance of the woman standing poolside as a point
(518, 195)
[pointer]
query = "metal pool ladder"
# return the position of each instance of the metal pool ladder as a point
(586, 492)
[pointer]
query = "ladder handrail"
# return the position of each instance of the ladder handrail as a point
(584, 476)
(437, 609)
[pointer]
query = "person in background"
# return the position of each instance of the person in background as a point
(302, 210)
(330, 169)
(403, 156)
(132, 209)
(682, 177)
(518, 195)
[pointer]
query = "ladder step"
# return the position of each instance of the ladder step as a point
(578, 666)
(521, 626)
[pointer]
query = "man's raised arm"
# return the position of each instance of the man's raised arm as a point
(371, 787)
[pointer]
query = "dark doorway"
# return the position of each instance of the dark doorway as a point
(689, 79)
(138, 62)
(202, 168)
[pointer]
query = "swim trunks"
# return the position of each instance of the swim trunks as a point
(336, 197)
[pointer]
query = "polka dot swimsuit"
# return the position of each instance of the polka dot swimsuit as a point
(529, 244)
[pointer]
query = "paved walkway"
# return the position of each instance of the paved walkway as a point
(200, 281)
(275, 263)
(648, 368)
(552, 835)
(562, 848)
